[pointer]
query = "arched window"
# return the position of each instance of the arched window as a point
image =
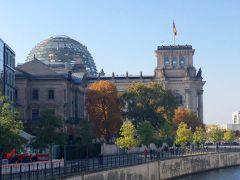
(179, 98)
(182, 61)
(166, 61)
(174, 62)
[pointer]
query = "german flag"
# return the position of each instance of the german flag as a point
(174, 29)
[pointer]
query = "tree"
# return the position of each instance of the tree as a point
(188, 116)
(103, 109)
(199, 136)
(147, 133)
(127, 137)
(167, 134)
(10, 128)
(184, 134)
(229, 136)
(86, 134)
(49, 130)
(149, 102)
(215, 135)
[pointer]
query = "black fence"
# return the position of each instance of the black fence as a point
(59, 168)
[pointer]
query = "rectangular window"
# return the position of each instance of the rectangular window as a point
(35, 94)
(6, 55)
(51, 94)
(10, 60)
(10, 78)
(35, 114)
(16, 94)
(65, 95)
(11, 95)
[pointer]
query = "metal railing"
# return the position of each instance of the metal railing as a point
(46, 170)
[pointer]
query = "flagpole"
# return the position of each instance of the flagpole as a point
(174, 39)
(174, 33)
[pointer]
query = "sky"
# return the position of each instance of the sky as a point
(122, 36)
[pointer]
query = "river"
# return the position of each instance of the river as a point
(232, 173)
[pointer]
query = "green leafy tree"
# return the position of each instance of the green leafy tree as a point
(149, 102)
(147, 133)
(215, 135)
(49, 130)
(229, 136)
(127, 137)
(166, 134)
(199, 136)
(184, 134)
(86, 134)
(10, 128)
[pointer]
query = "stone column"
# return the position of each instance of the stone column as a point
(200, 104)
(188, 98)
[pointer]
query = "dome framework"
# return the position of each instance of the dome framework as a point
(62, 49)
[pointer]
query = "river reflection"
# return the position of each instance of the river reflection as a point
(232, 173)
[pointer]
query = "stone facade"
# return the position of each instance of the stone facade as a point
(40, 88)
(175, 71)
(37, 82)
(166, 169)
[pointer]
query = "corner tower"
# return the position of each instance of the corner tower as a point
(176, 71)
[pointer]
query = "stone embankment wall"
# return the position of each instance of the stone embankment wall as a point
(166, 169)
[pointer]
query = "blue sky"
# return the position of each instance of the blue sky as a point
(122, 35)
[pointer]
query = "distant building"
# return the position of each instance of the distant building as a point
(209, 127)
(39, 88)
(236, 117)
(175, 71)
(235, 125)
(58, 70)
(7, 71)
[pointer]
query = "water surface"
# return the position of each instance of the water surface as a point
(232, 173)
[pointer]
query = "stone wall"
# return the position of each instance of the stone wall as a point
(166, 169)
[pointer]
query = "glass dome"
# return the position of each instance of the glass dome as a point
(62, 49)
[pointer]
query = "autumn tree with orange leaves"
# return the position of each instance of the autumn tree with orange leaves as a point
(187, 116)
(103, 109)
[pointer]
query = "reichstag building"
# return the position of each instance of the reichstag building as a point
(58, 70)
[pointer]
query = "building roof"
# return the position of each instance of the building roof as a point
(120, 78)
(62, 49)
(178, 47)
(35, 67)
(36, 70)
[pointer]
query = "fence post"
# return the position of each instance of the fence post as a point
(45, 170)
(37, 170)
(111, 161)
(11, 172)
(59, 168)
(29, 172)
(20, 172)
